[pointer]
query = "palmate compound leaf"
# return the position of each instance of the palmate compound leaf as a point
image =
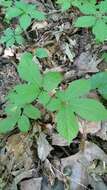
(57, 102)
(24, 124)
(31, 112)
(23, 94)
(67, 125)
(29, 70)
(75, 89)
(85, 21)
(78, 88)
(89, 109)
(51, 80)
(50, 103)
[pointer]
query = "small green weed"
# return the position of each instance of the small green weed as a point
(24, 13)
(94, 16)
(12, 37)
(42, 88)
(66, 104)
(66, 4)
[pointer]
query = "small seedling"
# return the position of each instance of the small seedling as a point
(69, 3)
(25, 13)
(12, 37)
(72, 102)
(94, 16)
(43, 88)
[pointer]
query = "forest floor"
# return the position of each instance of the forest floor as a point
(47, 162)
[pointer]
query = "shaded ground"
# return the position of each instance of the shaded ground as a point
(44, 161)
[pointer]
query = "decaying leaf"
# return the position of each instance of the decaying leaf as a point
(89, 127)
(44, 148)
(68, 52)
(58, 140)
(24, 175)
(79, 164)
(102, 133)
(31, 184)
(9, 52)
(18, 145)
(87, 63)
(39, 25)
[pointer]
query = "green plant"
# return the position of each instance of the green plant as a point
(40, 87)
(20, 109)
(12, 37)
(99, 82)
(6, 3)
(94, 16)
(65, 4)
(24, 12)
(69, 3)
(104, 57)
